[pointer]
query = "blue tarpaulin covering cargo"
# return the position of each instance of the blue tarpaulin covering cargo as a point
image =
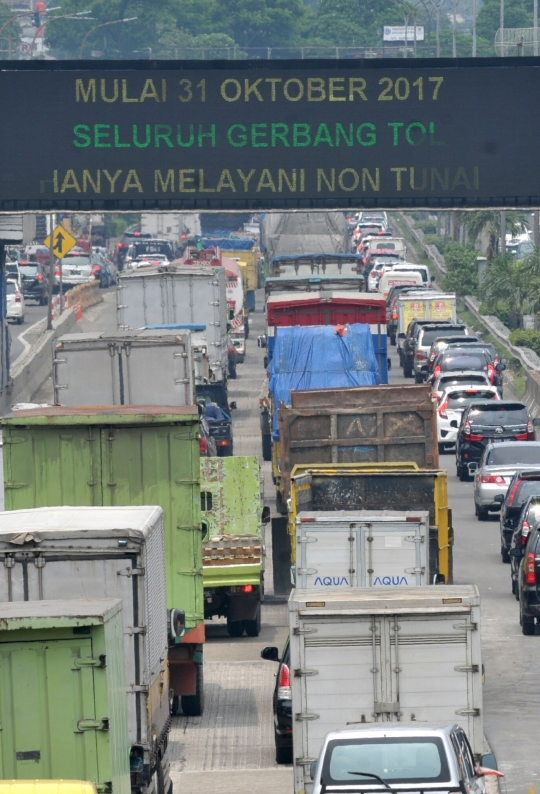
(228, 243)
(316, 357)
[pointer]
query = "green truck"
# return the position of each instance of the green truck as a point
(63, 693)
(233, 519)
(124, 456)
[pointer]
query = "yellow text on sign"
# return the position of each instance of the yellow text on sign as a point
(63, 242)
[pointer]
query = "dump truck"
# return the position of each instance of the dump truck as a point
(59, 553)
(63, 693)
(358, 488)
(124, 368)
(316, 357)
(314, 264)
(315, 283)
(123, 456)
(233, 519)
(245, 252)
(368, 424)
(174, 295)
(405, 655)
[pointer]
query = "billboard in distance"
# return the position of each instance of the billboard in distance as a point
(402, 33)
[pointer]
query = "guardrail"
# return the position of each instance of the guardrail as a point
(31, 370)
(527, 357)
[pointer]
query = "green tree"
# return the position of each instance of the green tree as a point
(11, 37)
(514, 282)
(461, 269)
(517, 14)
(353, 23)
(489, 221)
(138, 38)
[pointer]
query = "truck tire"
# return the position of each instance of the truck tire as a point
(504, 555)
(393, 341)
(281, 507)
(266, 447)
(193, 705)
(235, 628)
(527, 623)
(284, 755)
(253, 627)
(407, 369)
(418, 377)
(160, 778)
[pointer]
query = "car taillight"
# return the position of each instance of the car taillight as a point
(223, 443)
(40, 276)
(17, 298)
(394, 315)
(471, 436)
(491, 373)
(420, 356)
(95, 268)
(530, 430)
(373, 273)
(467, 429)
(284, 683)
(511, 496)
(436, 372)
(442, 410)
(522, 437)
(203, 445)
(493, 479)
(530, 572)
(525, 527)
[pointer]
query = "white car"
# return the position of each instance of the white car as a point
(76, 269)
(452, 403)
(472, 378)
(374, 276)
(15, 302)
(148, 260)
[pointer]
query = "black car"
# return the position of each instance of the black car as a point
(460, 359)
(529, 517)
(529, 581)
(496, 374)
(34, 281)
(486, 420)
(282, 703)
(444, 341)
(523, 484)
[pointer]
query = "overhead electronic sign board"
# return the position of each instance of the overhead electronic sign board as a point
(269, 134)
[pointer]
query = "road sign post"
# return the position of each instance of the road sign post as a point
(59, 242)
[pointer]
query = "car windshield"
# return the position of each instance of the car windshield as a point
(499, 415)
(29, 270)
(462, 398)
(411, 760)
(76, 261)
(463, 362)
(508, 454)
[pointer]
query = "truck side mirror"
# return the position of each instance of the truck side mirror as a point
(232, 406)
(262, 341)
(473, 467)
(489, 761)
(499, 498)
(517, 552)
(433, 278)
(536, 422)
(177, 623)
(401, 336)
(270, 653)
(312, 769)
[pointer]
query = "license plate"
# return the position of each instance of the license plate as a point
(75, 272)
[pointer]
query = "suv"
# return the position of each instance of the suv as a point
(408, 350)
(35, 282)
(529, 517)
(528, 584)
(485, 421)
(524, 483)
(282, 702)
(426, 336)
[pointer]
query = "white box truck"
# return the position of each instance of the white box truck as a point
(373, 548)
(124, 368)
(171, 225)
(376, 655)
(178, 296)
(63, 553)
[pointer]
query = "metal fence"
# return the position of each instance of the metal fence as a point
(281, 53)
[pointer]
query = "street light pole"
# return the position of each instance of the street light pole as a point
(474, 27)
(501, 25)
(535, 26)
(103, 25)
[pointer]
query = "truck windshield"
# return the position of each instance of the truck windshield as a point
(395, 760)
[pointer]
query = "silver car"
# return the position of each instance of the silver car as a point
(76, 269)
(497, 466)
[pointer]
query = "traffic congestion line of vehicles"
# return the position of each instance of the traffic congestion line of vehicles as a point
(155, 539)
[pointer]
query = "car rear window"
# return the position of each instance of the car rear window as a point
(533, 512)
(499, 415)
(394, 760)
(29, 270)
(509, 454)
(525, 489)
(459, 399)
(10, 288)
(428, 336)
(76, 261)
(463, 362)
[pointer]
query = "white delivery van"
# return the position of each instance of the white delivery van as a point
(394, 278)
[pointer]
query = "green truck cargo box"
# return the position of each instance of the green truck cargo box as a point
(63, 693)
(122, 456)
(233, 520)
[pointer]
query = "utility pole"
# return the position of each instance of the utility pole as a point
(51, 271)
(536, 228)
(501, 26)
(474, 27)
(535, 26)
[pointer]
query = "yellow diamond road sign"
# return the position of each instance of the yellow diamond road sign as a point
(63, 242)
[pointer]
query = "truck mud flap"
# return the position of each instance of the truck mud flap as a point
(281, 557)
